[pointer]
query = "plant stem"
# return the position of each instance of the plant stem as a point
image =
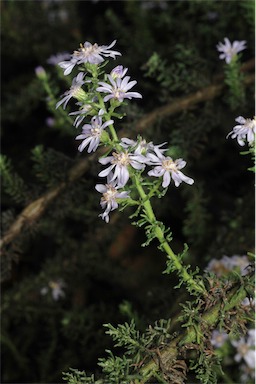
(191, 283)
(162, 240)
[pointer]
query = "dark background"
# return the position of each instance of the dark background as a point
(104, 266)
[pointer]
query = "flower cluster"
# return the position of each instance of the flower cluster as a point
(136, 155)
(244, 131)
(244, 351)
(230, 50)
(128, 156)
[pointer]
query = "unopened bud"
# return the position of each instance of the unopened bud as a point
(40, 73)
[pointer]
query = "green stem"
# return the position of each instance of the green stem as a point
(162, 240)
(108, 117)
(113, 133)
(197, 286)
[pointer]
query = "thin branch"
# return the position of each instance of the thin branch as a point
(36, 209)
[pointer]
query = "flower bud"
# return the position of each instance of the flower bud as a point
(40, 73)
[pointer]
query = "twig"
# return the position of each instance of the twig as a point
(36, 209)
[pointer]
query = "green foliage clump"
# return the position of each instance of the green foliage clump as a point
(13, 184)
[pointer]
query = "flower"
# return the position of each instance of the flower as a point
(141, 147)
(120, 162)
(230, 50)
(218, 267)
(237, 262)
(218, 338)
(91, 134)
(118, 88)
(50, 121)
(74, 91)
(68, 65)
(118, 72)
(56, 59)
(247, 374)
(89, 53)
(169, 169)
(85, 108)
(244, 348)
(244, 131)
(248, 302)
(110, 195)
(56, 287)
(226, 264)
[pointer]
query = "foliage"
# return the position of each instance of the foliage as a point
(104, 274)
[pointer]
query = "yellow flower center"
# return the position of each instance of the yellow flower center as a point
(87, 51)
(169, 165)
(96, 131)
(109, 194)
(121, 158)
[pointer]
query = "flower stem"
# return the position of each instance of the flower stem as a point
(187, 278)
(162, 240)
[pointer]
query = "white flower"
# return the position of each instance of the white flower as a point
(118, 88)
(74, 91)
(56, 287)
(226, 264)
(218, 338)
(89, 53)
(245, 349)
(120, 163)
(237, 261)
(92, 53)
(91, 134)
(230, 50)
(118, 72)
(56, 59)
(110, 195)
(244, 131)
(218, 267)
(84, 109)
(169, 169)
(68, 65)
(141, 147)
(248, 302)
(251, 337)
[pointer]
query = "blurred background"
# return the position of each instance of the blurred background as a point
(68, 272)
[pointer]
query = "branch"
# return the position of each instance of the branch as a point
(37, 208)
(210, 317)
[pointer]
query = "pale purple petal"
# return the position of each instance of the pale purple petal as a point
(166, 179)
